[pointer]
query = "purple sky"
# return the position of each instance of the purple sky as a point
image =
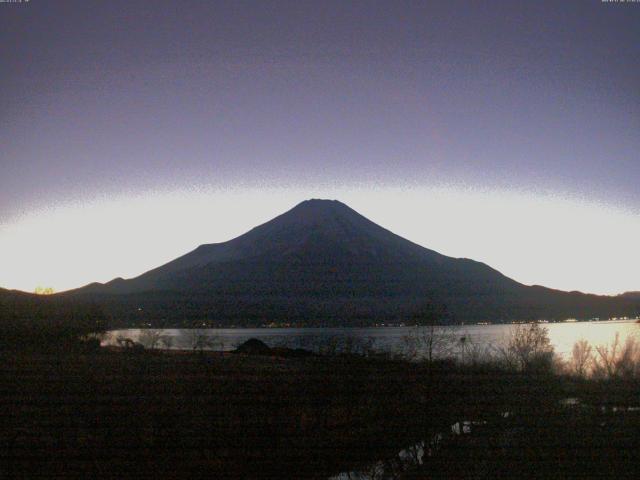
(104, 98)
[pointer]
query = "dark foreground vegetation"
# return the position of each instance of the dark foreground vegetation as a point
(71, 409)
(116, 413)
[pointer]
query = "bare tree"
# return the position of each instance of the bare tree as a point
(528, 348)
(472, 352)
(198, 339)
(150, 337)
(581, 358)
(167, 341)
(428, 340)
(605, 359)
(617, 359)
(629, 360)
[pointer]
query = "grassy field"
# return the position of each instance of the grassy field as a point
(113, 414)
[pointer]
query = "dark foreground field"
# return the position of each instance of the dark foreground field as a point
(114, 414)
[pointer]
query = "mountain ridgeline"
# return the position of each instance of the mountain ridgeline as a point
(322, 263)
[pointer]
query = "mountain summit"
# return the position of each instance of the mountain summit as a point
(323, 263)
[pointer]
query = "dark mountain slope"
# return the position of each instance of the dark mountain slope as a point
(325, 245)
(631, 295)
(322, 262)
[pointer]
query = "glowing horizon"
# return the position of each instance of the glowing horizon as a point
(559, 242)
(508, 135)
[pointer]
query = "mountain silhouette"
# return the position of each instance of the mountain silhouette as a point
(323, 263)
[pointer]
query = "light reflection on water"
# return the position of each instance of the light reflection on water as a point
(562, 335)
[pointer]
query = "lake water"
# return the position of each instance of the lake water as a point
(562, 336)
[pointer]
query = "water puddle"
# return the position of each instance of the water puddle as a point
(412, 456)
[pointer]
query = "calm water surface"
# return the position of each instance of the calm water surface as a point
(562, 335)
